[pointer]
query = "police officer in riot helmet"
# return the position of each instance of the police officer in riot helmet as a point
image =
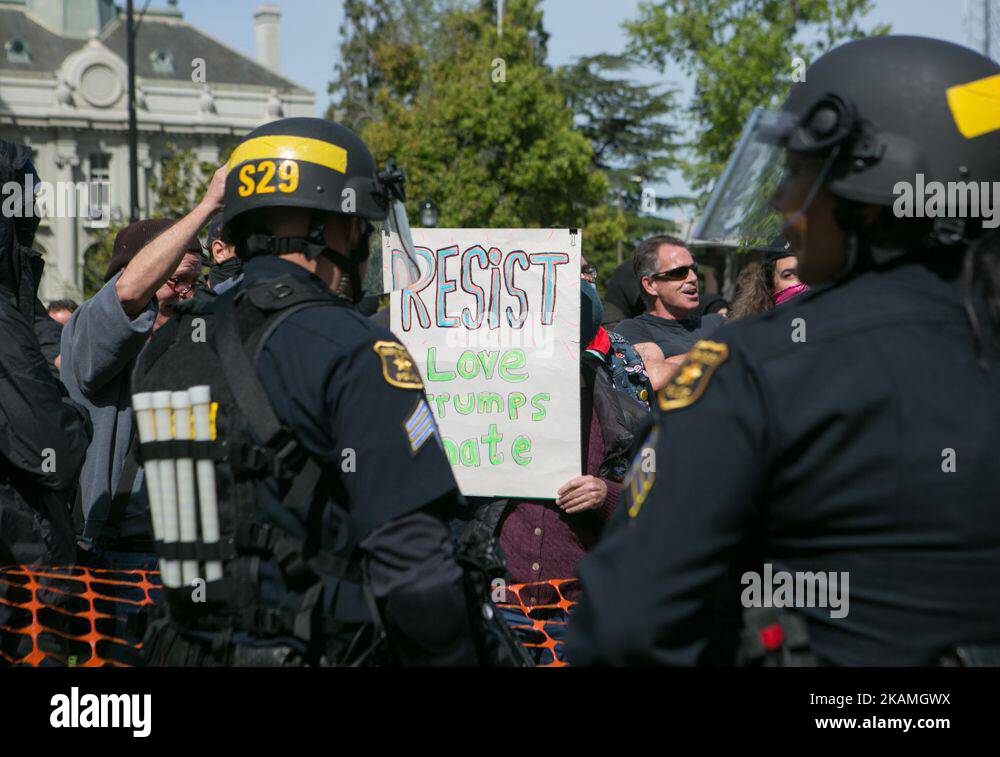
(333, 488)
(821, 482)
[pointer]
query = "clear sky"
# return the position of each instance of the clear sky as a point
(310, 29)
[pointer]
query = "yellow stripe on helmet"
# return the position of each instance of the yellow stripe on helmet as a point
(976, 106)
(282, 147)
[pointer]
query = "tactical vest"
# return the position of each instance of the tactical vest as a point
(216, 342)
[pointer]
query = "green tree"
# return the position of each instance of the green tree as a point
(98, 256)
(528, 18)
(386, 44)
(635, 145)
(181, 184)
(741, 54)
(624, 121)
(488, 134)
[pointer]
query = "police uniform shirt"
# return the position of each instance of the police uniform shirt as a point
(353, 398)
(849, 431)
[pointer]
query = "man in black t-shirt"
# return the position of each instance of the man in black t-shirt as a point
(668, 277)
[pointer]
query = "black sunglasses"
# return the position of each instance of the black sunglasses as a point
(675, 274)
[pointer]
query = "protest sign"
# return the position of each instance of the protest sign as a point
(493, 323)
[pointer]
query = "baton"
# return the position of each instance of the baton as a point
(201, 405)
(186, 502)
(168, 488)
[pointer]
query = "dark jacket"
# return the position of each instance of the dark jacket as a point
(865, 448)
(43, 439)
(321, 371)
(49, 333)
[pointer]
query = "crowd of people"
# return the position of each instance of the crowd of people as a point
(323, 563)
(158, 263)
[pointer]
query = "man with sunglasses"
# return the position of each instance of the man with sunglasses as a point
(668, 278)
(154, 266)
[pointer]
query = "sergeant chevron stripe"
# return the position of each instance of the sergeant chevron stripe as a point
(420, 425)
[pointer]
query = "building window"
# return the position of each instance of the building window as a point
(163, 61)
(17, 51)
(100, 166)
(100, 185)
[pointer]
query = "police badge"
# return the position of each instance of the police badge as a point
(691, 379)
(398, 367)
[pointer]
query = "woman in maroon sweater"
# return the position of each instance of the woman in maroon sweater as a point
(544, 540)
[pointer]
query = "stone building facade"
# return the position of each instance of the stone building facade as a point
(63, 92)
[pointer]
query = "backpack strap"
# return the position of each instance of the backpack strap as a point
(282, 298)
(241, 377)
(278, 298)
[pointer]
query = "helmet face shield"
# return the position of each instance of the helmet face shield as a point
(392, 259)
(760, 176)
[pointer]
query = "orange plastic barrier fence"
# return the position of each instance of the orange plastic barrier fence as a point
(79, 616)
(72, 616)
(546, 606)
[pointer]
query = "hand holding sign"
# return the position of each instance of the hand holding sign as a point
(581, 493)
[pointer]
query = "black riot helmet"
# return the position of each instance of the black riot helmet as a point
(899, 107)
(878, 111)
(323, 167)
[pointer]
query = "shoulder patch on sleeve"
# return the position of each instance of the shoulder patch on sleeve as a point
(398, 368)
(691, 379)
(641, 474)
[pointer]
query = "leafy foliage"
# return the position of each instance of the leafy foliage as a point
(485, 128)
(181, 184)
(624, 121)
(98, 256)
(635, 146)
(487, 132)
(386, 46)
(741, 54)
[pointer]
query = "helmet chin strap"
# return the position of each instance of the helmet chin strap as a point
(313, 245)
(856, 246)
(867, 243)
(863, 244)
(349, 267)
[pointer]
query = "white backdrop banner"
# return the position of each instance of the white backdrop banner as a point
(493, 323)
